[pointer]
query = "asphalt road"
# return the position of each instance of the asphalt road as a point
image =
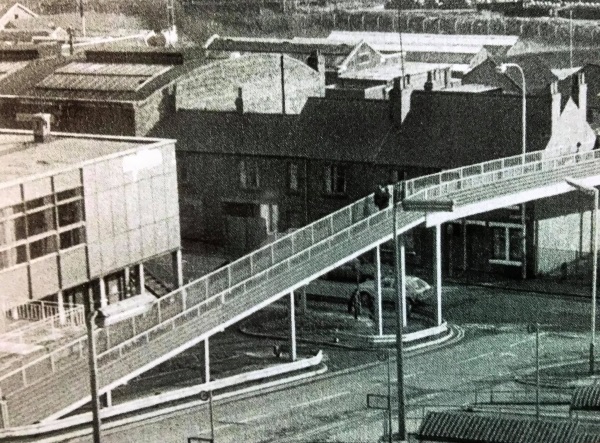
(332, 408)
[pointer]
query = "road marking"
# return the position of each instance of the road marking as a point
(299, 405)
(477, 357)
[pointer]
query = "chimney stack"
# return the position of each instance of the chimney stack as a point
(239, 102)
(580, 91)
(428, 86)
(40, 124)
(399, 101)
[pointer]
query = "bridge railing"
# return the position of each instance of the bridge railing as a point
(235, 280)
(473, 176)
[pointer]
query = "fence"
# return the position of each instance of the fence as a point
(253, 279)
(45, 318)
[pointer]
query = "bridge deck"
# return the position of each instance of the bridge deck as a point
(59, 381)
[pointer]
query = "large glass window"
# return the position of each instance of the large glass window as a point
(39, 202)
(69, 193)
(13, 256)
(12, 230)
(40, 222)
(506, 247)
(71, 238)
(45, 246)
(70, 213)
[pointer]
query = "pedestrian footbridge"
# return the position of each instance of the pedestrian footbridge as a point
(47, 387)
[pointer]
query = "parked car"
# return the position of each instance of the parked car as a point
(418, 291)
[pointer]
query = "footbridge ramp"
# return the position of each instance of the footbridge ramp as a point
(58, 382)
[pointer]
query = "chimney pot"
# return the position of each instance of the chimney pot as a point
(239, 102)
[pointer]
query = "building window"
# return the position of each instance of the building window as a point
(397, 175)
(271, 215)
(39, 202)
(13, 256)
(71, 238)
(45, 246)
(70, 213)
(69, 194)
(506, 248)
(12, 231)
(293, 182)
(335, 179)
(40, 222)
(249, 174)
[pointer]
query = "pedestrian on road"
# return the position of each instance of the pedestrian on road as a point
(354, 305)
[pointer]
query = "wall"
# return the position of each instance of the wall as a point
(562, 231)
(132, 208)
(215, 86)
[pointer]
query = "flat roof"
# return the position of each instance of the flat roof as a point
(392, 71)
(22, 159)
(392, 38)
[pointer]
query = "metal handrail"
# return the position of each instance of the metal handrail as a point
(249, 271)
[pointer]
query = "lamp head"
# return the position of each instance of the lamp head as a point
(501, 69)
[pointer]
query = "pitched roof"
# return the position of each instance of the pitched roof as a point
(230, 132)
(476, 428)
(538, 75)
(446, 129)
(343, 129)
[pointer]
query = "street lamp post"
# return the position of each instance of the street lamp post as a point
(96, 423)
(594, 192)
(399, 321)
(502, 69)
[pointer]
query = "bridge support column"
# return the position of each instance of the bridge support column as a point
(60, 301)
(302, 305)
(292, 316)
(437, 273)
(102, 292)
(206, 362)
(378, 302)
(402, 259)
(464, 245)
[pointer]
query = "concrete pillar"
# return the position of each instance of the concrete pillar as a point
(206, 361)
(292, 316)
(378, 302)
(127, 282)
(61, 308)
(177, 269)
(464, 245)
(437, 273)
(302, 305)
(402, 258)
(102, 292)
(141, 285)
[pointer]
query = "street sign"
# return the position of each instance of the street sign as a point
(379, 401)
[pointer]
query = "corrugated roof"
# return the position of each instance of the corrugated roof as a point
(41, 79)
(586, 398)
(474, 428)
(287, 46)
